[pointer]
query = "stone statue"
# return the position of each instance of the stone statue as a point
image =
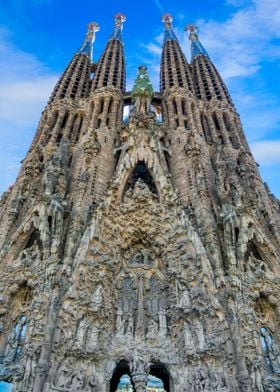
(183, 297)
(15, 340)
(29, 370)
(130, 327)
(256, 377)
(97, 298)
(141, 189)
(274, 355)
(198, 328)
(188, 338)
(119, 323)
(80, 335)
(200, 380)
(92, 338)
(109, 369)
(152, 329)
(62, 374)
(271, 350)
(162, 323)
(12, 346)
(77, 381)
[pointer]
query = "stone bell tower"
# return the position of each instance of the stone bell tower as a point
(140, 255)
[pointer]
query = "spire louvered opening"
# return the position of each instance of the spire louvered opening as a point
(111, 67)
(208, 83)
(74, 82)
(174, 67)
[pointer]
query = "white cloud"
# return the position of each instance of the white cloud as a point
(238, 44)
(153, 48)
(26, 84)
(266, 152)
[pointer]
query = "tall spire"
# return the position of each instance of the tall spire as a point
(87, 45)
(119, 20)
(196, 46)
(169, 34)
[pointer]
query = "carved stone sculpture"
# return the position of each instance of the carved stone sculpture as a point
(145, 246)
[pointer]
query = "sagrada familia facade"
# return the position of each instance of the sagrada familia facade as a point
(145, 246)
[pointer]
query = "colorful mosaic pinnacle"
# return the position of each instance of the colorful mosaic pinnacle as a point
(119, 20)
(196, 47)
(140, 255)
(142, 91)
(87, 46)
(169, 34)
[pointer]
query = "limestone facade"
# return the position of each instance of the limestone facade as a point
(140, 247)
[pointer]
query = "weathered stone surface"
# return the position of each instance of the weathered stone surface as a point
(140, 248)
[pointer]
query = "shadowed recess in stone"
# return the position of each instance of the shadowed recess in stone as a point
(141, 172)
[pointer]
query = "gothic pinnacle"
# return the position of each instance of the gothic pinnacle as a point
(119, 20)
(87, 45)
(196, 46)
(169, 34)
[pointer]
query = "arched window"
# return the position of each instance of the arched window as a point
(205, 128)
(216, 121)
(174, 107)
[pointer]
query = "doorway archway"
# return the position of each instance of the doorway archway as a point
(121, 369)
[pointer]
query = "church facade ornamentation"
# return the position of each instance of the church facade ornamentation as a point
(141, 253)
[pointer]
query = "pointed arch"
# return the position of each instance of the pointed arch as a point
(159, 371)
(121, 369)
(146, 176)
(25, 240)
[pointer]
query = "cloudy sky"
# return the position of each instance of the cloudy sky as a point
(38, 38)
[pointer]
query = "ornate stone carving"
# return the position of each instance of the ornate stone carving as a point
(139, 247)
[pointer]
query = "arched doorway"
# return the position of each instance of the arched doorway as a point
(159, 371)
(158, 380)
(122, 369)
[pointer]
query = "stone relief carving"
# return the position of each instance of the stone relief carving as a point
(15, 340)
(141, 271)
(271, 351)
(81, 334)
(97, 298)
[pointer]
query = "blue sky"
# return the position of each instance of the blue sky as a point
(5, 387)
(39, 37)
